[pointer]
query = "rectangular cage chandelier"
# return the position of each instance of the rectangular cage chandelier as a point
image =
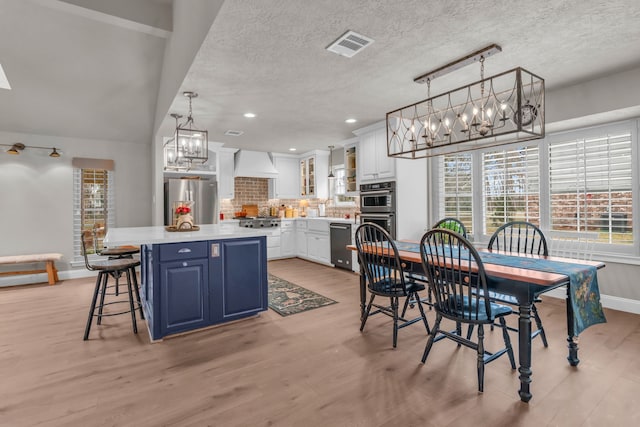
(189, 145)
(497, 110)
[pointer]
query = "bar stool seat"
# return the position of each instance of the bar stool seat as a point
(114, 268)
(120, 251)
(117, 252)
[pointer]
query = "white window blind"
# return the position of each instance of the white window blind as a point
(339, 181)
(454, 189)
(93, 203)
(591, 182)
(340, 187)
(511, 186)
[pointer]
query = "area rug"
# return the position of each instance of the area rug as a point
(285, 298)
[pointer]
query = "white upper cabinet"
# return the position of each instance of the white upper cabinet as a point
(351, 169)
(286, 185)
(373, 162)
(314, 172)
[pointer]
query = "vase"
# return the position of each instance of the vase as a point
(183, 214)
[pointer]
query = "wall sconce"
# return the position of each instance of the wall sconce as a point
(17, 147)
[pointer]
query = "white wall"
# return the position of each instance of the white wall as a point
(36, 193)
(412, 218)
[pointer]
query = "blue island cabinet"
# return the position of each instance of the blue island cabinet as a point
(239, 276)
(190, 285)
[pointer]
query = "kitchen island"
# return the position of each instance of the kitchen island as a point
(191, 280)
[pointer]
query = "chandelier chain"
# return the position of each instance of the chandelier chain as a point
(482, 77)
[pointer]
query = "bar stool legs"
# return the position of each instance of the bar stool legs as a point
(131, 307)
(101, 288)
(136, 288)
(93, 306)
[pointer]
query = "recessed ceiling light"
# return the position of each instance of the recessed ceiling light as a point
(350, 121)
(231, 132)
(292, 149)
(249, 115)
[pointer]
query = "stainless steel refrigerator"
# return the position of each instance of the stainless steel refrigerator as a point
(202, 192)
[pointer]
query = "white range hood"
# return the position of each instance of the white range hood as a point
(254, 164)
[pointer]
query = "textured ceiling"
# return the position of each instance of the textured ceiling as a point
(269, 57)
(77, 77)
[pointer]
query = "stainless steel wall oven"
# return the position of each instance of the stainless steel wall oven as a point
(378, 205)
(378, 197)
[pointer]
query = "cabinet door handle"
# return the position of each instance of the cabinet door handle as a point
(184, 251)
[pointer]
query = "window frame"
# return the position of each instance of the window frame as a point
(334, 194)
(78, 257)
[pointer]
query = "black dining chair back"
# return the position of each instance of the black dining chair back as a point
(384, 275)
(458, 282)
(453, 224)
(524, 238)
(519, 237)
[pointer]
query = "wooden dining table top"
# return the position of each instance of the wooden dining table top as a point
(536, 277)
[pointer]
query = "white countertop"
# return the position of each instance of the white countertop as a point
(158, 234)
(327, 219)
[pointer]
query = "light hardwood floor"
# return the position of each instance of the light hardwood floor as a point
(308, 369)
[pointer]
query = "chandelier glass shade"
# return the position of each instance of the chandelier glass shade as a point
(189, 145)
(498, 110)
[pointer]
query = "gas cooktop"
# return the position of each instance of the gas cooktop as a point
(256, 222)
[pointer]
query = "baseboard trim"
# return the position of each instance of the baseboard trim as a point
(608, 301)
(31, 279)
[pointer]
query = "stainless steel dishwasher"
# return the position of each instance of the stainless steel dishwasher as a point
(340, 234)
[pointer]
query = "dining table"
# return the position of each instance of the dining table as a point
(523, 278)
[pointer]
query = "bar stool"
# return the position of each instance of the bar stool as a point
(117, 252)
(115, 268)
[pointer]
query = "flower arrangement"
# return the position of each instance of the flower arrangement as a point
(182, 217)
(182, 210)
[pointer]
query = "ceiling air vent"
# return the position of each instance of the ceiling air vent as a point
(233, 132)
(349, 44)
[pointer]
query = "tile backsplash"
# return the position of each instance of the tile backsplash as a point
(255, 191)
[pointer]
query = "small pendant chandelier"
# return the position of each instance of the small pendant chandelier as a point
(191, 144)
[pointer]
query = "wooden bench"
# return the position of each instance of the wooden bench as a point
(48, 259)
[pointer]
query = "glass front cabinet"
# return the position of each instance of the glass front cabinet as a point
(307, 177)
(314, 169)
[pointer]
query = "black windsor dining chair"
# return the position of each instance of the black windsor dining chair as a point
(448, 223)
(457, 279)
(384, 275)
(520, 237)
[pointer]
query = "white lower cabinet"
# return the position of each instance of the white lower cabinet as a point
(318, 241)
(273, 245)
(288, 239)
(355, 264)
(301, 238)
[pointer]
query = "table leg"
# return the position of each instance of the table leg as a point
(572, 339)
(363, 293)
(524, 351)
